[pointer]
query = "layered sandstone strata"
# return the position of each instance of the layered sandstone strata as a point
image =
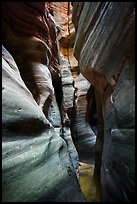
(39, 160)
(104, 48)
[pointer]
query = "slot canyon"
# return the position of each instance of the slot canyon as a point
(68, 101)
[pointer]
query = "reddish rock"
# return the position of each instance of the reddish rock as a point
(33, 146)
(29, 33)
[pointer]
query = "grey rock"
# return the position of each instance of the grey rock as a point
(105, 49)
(85, 136)
(38, 164)
(118, 168)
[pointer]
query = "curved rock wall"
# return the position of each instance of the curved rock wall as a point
(104, 48)
(39, 160)
(29, 33)
(75, 86)
(27, 20)
(85, 136)
(63, 14)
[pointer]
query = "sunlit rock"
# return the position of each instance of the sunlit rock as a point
(39, 159)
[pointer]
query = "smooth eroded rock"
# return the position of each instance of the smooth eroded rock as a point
(39, 164)
(105, 50)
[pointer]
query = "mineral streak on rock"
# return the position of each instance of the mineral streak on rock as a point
(29, 33)
(39, 161)
(63, 14)
(105, 49)
(32, 19)
(75, 101)
(35, 156)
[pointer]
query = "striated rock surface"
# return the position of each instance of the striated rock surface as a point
(75, 87)
(38, 163)
(85, 136)
(62, 12)
(118, 167)
(104, 48)
(67, 83)
(29, 33)
(39, 160)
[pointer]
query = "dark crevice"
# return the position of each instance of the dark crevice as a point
(30, 126)
(91, 114)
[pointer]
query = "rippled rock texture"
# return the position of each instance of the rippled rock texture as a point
(30, 36)
(104, 48)
(85, 136)
(39, 160)
(75, 87)
(38, 163)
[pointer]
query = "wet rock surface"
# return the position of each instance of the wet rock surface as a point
(87, 182)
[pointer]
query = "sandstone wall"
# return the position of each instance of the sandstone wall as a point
(75, 86)
(39, 160)
(104, 48)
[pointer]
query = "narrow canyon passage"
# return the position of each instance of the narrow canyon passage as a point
(68, 101)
